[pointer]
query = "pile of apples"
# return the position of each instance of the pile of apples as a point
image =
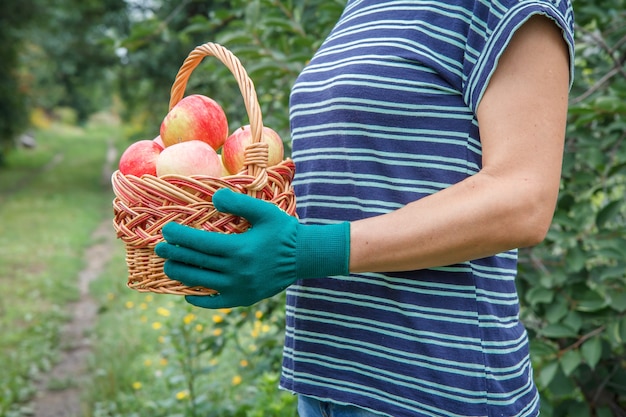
(194, 140)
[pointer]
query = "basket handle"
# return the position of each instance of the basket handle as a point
(256, 155)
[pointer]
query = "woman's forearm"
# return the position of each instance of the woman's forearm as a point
(478, 217)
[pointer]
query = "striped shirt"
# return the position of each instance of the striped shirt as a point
(383, 115)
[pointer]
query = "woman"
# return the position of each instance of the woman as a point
(428, 139)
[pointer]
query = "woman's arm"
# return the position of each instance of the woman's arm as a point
(510, 202)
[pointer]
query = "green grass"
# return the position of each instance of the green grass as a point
(51, 199)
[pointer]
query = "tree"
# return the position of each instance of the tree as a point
(52, 54)
(13, 111)
(273, 39)
(67, 56)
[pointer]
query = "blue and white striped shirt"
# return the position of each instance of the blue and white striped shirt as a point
(383, 115)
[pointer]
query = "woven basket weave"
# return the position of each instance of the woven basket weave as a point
(142, 206)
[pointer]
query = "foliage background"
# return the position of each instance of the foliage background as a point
(95, 54)
(574, 284)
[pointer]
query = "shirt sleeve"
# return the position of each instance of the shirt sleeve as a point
(492, 28)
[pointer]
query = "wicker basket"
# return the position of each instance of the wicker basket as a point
(142, 206)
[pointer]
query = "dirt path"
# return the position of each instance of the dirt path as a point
(59, 391)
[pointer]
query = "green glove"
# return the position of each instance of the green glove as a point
(264, 260)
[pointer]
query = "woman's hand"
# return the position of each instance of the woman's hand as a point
(264, 260)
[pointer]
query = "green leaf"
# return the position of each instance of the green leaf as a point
(591, 351)
(542, 348)
(253, 12)
(609, 104)
(235, 37)
(547, 373)
(618, 169)
(260, 67)
(554, 279)
(570, 361)
(615, 272)
(608, 212)
(604, 412)
(578, 410)
(561, 385)
(618, 300)
(556, 311)
(558, 331)
(573, 321)
(576, 259)
(614, 335)
(277, 22)
(539, 295)
(591, 301)
(590, 306)
(196, 28)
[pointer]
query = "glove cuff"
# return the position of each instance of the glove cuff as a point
(322, 250)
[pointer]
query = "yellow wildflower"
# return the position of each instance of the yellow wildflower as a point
(217, 332)
(147, 362)
(256, 329)
(161, 311)
(148, 298)
(225, 310)
(217, 318)
(237, 380)
(181, 395)
(189, 318)
(199, 327)
(136, 385)
(258, 314)
(163, 361)
(156, 325)
(143, 306)
(129, 304)
(243, 363)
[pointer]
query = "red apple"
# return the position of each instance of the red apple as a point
(140, 158)
(225, 172)
(235, 145)
(193, 157)
(159, 141)
(195, 117)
